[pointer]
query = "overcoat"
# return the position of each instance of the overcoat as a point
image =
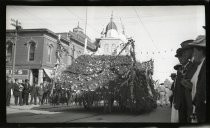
(16, 91)
(200, 95)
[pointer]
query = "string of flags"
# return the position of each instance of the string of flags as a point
(158, 52)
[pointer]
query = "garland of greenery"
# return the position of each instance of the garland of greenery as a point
(112, 78)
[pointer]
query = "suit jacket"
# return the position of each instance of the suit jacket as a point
(200, 95)
(26, 88)
(178, 91)
(8, 88)
(16, 89)
(191, 69)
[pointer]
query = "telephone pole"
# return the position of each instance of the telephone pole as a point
(17, 26)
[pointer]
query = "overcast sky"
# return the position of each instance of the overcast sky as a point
(157, 30)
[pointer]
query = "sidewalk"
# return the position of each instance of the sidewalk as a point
(45, 107)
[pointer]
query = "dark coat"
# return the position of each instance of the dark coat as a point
(172, 89)
(33, 90)
(200, 96)
(191, 69)
(8, 88)
(26, 88)
(16, 89)
(178, 91)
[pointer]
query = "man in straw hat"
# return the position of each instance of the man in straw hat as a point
(197, 83)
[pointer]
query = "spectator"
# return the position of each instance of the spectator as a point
(33, 93)
(173, 77)
(45, 92)
(16, 91)
(20, 92)
(197, 82)
(174, 111)
(26, 91)
(162, 94)
(40, 92)
(181, 99)
(8, 90)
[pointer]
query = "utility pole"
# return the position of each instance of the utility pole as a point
(17, 26)
(85, 49)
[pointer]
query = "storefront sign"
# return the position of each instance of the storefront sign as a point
(18, 72)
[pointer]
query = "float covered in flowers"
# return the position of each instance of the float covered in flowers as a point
(113, 79)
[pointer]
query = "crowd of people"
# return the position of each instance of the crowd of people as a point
(21, 90)
(188, 100)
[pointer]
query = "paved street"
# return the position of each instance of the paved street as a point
(56, 114)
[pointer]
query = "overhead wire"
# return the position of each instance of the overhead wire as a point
(96, 31)
(145, 29)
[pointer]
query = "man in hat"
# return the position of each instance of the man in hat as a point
(16, 91)
(176, 100)
(197, 83)
(8, 90)
(181, 97)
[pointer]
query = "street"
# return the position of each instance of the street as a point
(67, 114)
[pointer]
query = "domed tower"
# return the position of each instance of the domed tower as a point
(111, 41)
(111, 29)
(78, 29)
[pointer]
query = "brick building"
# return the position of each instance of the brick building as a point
(36, 49)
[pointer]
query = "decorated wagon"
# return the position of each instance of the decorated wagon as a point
(112, 82)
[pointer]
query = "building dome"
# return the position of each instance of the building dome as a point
(111, 29)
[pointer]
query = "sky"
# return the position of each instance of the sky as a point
(157, 30)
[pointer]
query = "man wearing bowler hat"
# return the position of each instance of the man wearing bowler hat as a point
(197, 83)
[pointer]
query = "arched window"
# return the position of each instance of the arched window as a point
(32, 48)
(49, 51)
(9, 51)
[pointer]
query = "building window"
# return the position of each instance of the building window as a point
(9, 51)
(49, 51)
(32, 48)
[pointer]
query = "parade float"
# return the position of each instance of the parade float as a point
(112, 81)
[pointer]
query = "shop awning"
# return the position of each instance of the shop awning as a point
(48, 72)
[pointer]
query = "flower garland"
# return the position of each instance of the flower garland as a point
(113, 77)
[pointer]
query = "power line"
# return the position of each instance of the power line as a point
(32, 14)
(82, 19)
(145, 29)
